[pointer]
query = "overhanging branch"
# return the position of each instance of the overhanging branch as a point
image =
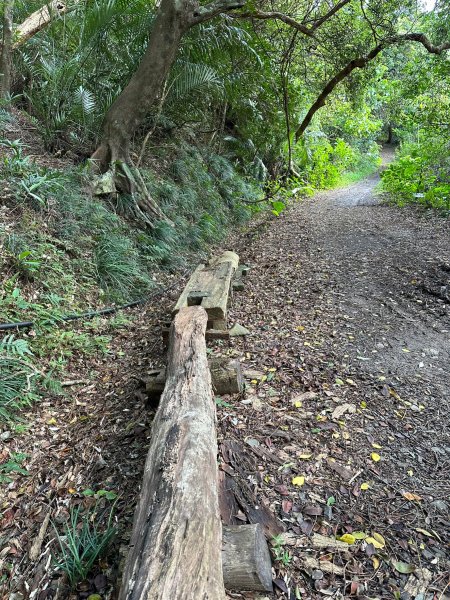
(360, 63)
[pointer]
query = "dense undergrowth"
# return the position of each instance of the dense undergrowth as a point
(420, 175)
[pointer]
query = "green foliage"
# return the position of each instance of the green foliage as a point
(19, 378)
(420, 174)
(11, 466)
(86, 537)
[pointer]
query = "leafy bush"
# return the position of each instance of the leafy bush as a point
(420, 174)
(19, 379)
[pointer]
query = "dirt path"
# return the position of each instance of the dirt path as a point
(348, 353)
(349, 299)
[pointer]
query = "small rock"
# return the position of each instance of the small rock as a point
(5, 436)
(238, 330)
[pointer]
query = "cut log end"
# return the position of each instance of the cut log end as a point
(246, 559)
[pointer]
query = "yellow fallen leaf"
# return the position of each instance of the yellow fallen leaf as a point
(374, 445)
(298, 481)
(346, 435)
(71, 491)
(376, 540)
(272, 369)
(411, 497)
(254, 381)
(359, 535)
(350, 381)
(298, 404)
(365, 486)
(424, 531)
(51, 421)
(375, 457)
(375, 562)
(305, 456)
(336, 435)
(410, 472)
(348, 538)
(363, 404)
(406, 350)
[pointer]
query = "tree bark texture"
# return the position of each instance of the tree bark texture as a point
(132, 105)
(175, 551)
(6, 50)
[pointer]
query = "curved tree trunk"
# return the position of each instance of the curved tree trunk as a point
(6, 50)
(132, 105)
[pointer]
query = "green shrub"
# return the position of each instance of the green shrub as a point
(420, 174)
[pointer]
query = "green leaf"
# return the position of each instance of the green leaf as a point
(331, 501)
(403, 567)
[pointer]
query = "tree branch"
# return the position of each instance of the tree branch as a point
(204, 13)
(360, 63)
(215, 8)
(38, 21)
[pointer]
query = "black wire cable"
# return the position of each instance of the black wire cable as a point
(88, 314)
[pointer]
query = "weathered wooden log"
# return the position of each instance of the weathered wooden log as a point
(246, 559)
(226, 377)
(176, 540)
(211, 334)
(209, 286)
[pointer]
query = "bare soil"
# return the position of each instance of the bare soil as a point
(347, 303)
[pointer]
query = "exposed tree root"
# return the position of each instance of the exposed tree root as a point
(117, 174)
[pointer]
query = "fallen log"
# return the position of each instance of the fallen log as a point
(176, 540)
(246, 559)
(226, 377)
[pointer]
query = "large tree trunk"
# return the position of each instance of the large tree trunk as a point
(6, 50)
(132, 105)
(175, 551)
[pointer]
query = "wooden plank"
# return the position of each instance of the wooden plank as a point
(175, 548)
(209, 286)
(246, 559)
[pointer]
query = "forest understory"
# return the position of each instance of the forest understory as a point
(341, 431)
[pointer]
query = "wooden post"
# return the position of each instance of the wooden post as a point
(176, 540)
(226, 377)
(246, 559)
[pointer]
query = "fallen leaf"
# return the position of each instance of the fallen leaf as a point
(365, 486)
(342, 409)
(348, 538)
(305, 456)
(411, 497)
(377, 540)
(374, 445)
(375, 457)
(403, 567)
(424, 531)
(375, 562)
(298, 481)
(359, 535)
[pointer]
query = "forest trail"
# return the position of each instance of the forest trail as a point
(348, 299)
